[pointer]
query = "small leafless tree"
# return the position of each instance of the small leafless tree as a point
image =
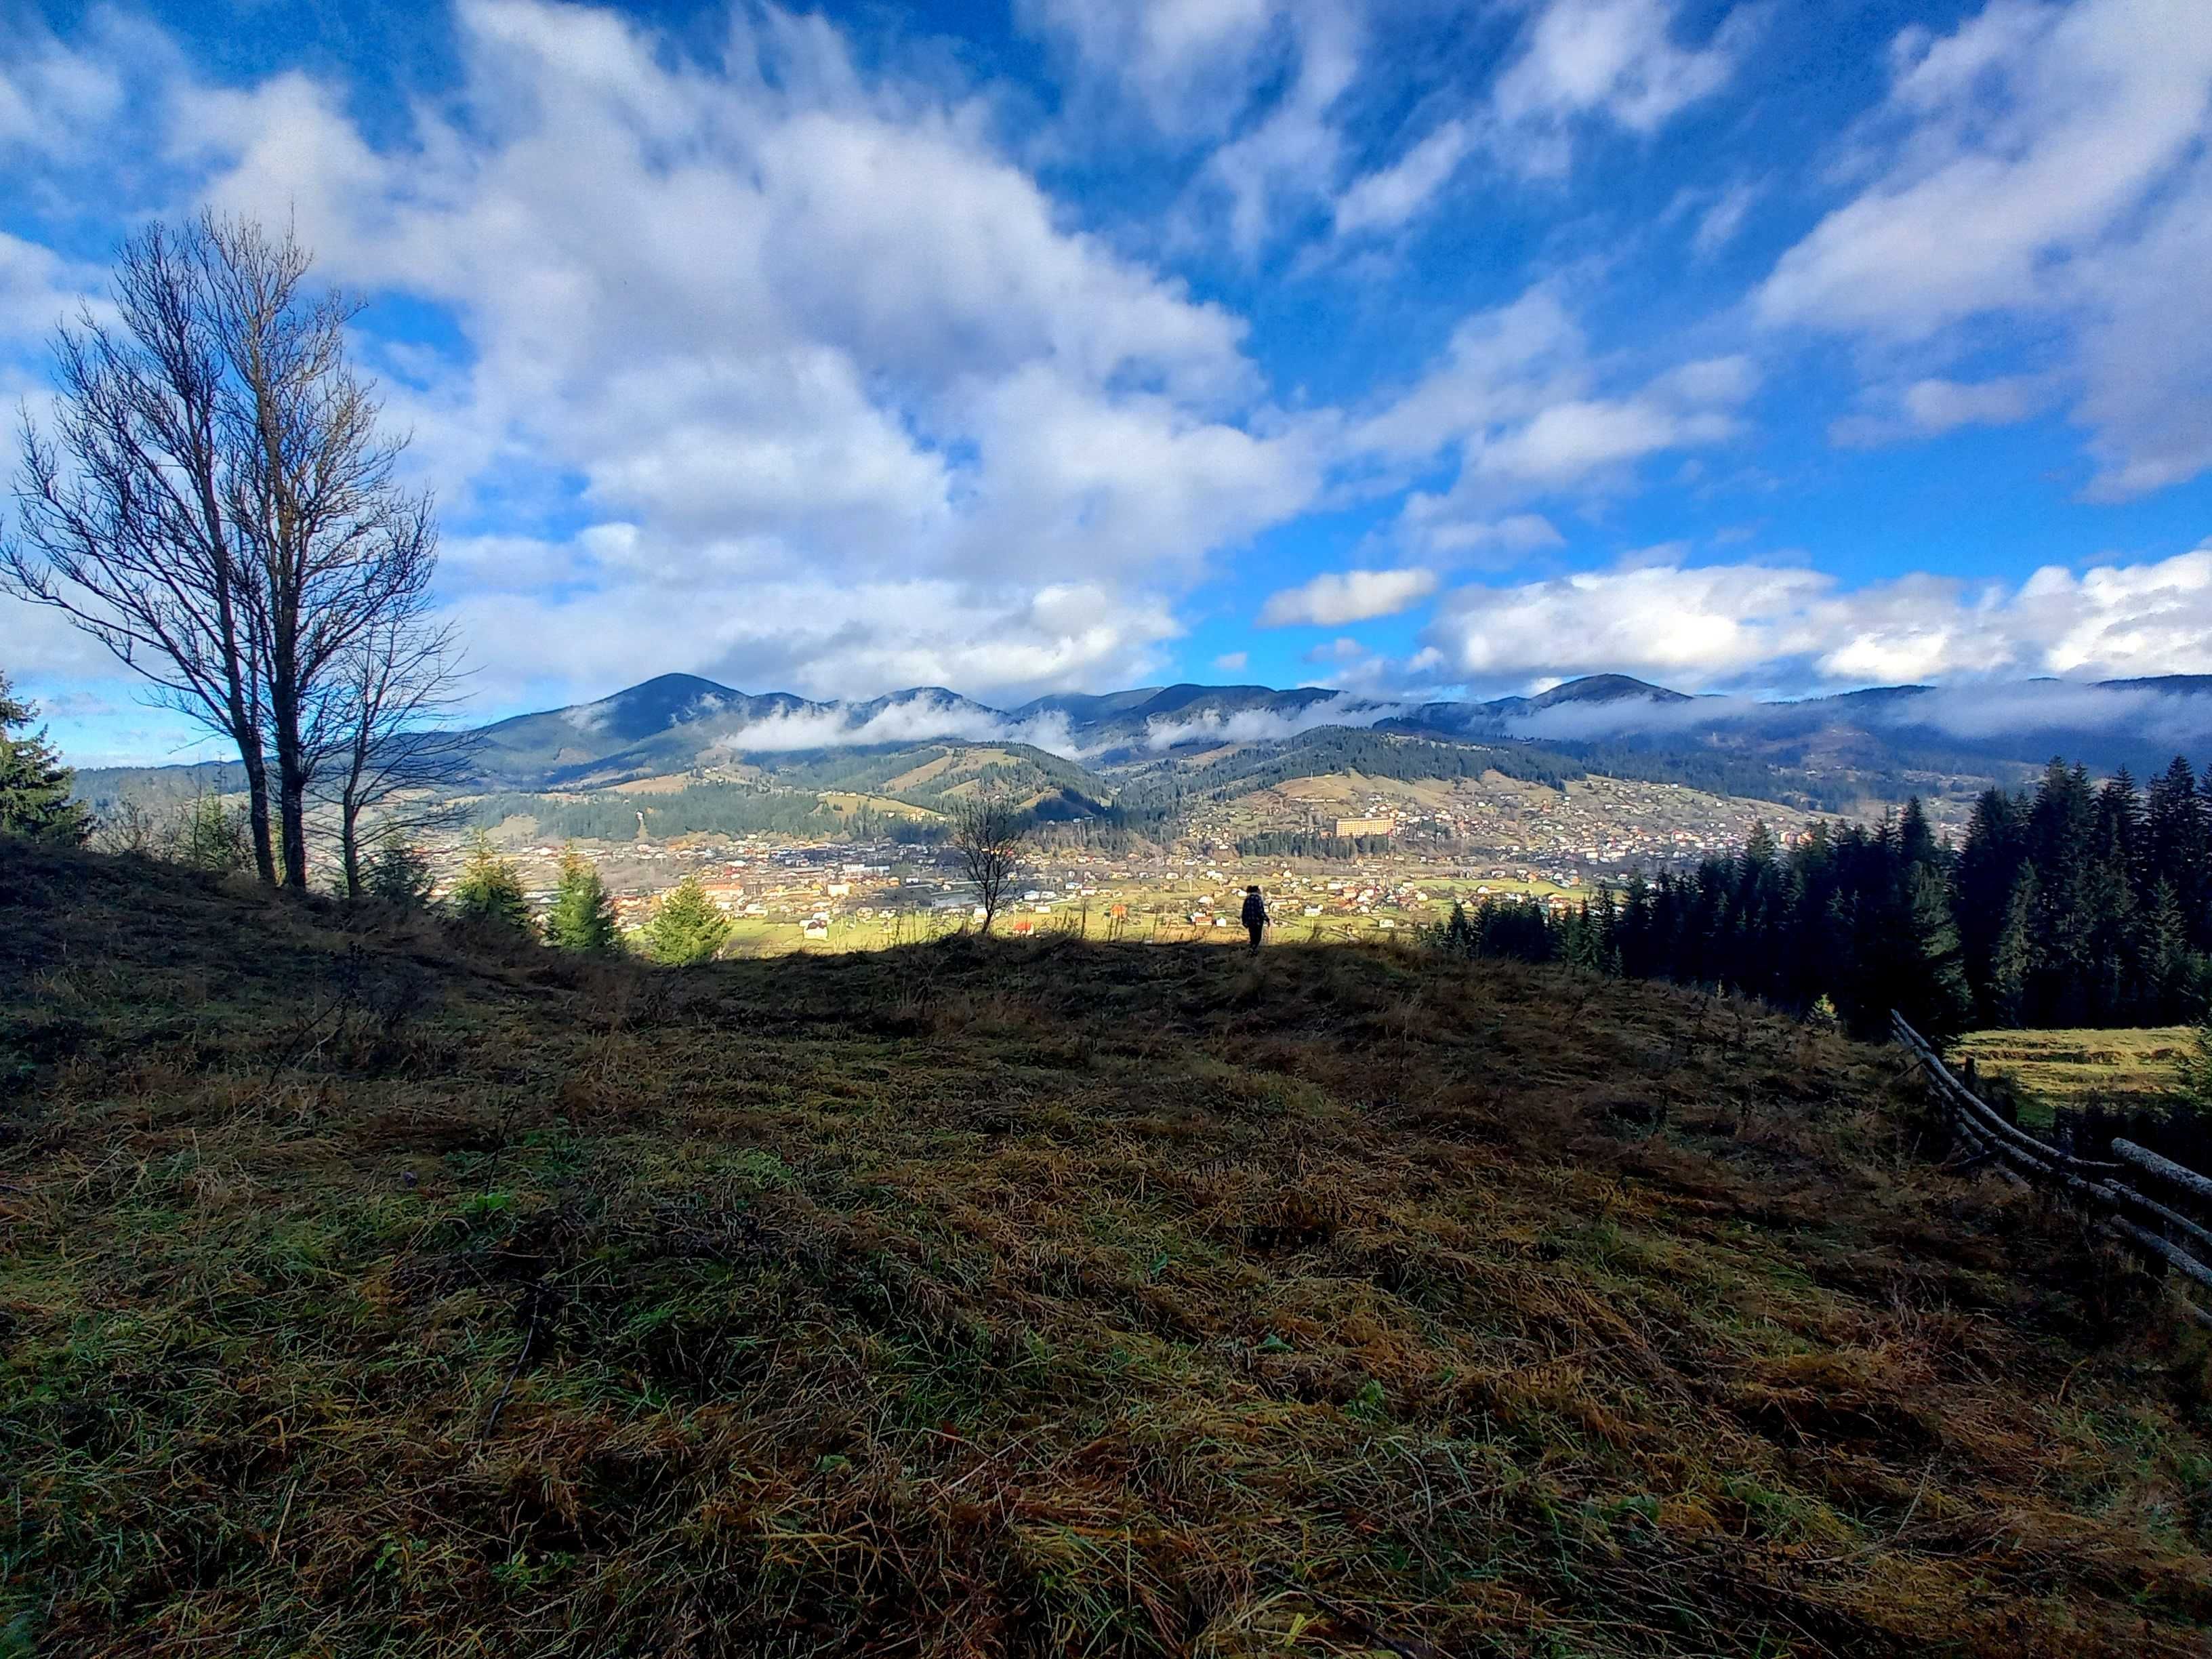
(218, 507)
(132, 538)
(377, 737)
(988, 836)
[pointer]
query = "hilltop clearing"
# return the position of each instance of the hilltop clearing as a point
(366, 1288)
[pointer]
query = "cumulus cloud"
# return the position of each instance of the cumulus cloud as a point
(1340, 596)
(2044, 161)
(638, 609)
(1532, 412)
(1691, 627)
(840, 396)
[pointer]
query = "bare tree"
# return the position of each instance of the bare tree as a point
(131, 539)
(219, 508)
(376, 740)
(988, 834)
(338, 550)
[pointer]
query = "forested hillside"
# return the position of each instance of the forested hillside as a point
(2078, 904)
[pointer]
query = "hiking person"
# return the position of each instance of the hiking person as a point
(1255, 915)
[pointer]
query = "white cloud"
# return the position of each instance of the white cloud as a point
(914, 719)
(1718, 224)
(1191, 65)
(1291, 156)
(1532, 413)
(1977, 711)
(2041, 160)
(1339, 597)
(54, 101)
(1528, 408)
(851, 404)
(1932, 406)
(1387, 197)
(1694, 626)
(1615, 58)
(1233, 662)
(1502, 364)
(1342, 649)
(1165, 732)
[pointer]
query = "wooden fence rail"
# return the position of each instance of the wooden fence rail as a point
(2159, 1208)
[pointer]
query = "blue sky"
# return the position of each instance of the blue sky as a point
(1405, 346)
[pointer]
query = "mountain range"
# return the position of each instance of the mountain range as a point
(680, 722)
(1820, 752)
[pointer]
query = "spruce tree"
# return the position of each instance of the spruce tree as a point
(686, 926)
(34, 786)
(2170, 968)
(212, 837)
(398, 874)
(490, 890)
(1989, 863)
(2012, 960)
(1934, 998)
(2178, 824)
(583, 916)
(1916, 841)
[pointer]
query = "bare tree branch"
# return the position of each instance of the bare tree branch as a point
(122, 514)
(377, 737)
(219, 508)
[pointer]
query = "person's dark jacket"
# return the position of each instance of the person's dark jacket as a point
(1255, 911)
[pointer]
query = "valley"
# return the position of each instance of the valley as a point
(822, 825)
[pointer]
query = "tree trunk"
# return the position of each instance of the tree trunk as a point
(291, 773)
(257, 810)
(292, 807)
(349, 846)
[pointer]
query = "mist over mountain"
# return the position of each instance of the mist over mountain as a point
(680, 722)
(1878, 743)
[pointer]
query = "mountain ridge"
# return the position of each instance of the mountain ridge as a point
(677, 722)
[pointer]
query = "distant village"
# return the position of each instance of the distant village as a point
(1553, 847)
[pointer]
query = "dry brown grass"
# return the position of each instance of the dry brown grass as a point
(367, 1289)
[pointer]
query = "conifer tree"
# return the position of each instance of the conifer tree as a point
(2012, 961)
(2175, 825)
(34, 786)
(686, 926)
(2170, 969)
(1935, 1001)
(1916, 841)
(490, 890)
(212, 837)
(398, 874)
(583, 916)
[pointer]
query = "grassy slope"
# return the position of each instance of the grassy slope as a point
(383, 1293)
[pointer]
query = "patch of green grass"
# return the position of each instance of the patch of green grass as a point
(2057, 1068)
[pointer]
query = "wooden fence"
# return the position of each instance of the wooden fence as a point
(2155, 1205)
